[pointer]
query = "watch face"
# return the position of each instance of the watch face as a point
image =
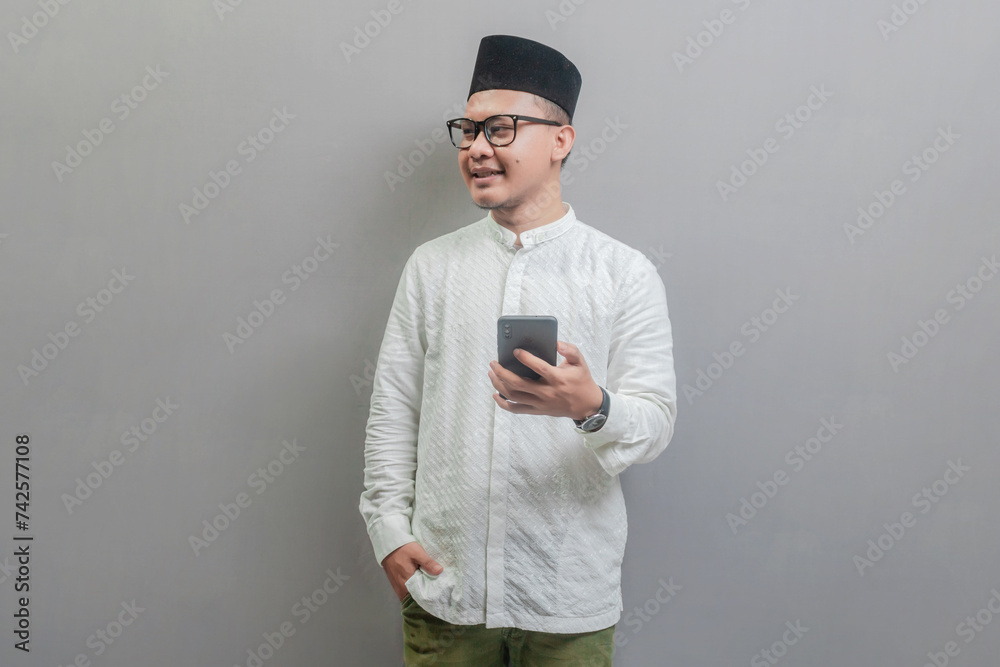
(595, 422)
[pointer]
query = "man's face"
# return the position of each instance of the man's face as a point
(524, 166)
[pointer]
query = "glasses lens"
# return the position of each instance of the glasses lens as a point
(500, 130)
(462, 132)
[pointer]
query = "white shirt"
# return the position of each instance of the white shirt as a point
(525, 514)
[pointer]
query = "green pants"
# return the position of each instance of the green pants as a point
(428, 640)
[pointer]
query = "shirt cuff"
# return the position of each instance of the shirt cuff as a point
(388, 534)
(614, 429)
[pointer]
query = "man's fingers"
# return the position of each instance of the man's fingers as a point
(570, 352)
(536, 364)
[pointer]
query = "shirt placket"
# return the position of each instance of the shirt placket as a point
(496, 614)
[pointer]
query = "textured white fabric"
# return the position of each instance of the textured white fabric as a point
(525, 514)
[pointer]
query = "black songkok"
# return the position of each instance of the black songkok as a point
(514, 63)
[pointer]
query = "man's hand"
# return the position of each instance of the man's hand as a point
(403, 562)
(566, 390)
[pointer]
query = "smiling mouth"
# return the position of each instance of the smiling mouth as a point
(483, 175)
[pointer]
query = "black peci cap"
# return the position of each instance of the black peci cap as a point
(515, 63)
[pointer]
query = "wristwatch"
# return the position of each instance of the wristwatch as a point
(595, 421)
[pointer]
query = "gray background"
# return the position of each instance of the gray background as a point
(305, 372)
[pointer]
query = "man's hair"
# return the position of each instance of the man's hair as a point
(552, 111)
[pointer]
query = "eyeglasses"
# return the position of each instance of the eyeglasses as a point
(500, 130)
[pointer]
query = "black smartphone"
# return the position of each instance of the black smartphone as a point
(535, 333)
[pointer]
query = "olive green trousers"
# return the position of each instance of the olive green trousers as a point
(428, 640)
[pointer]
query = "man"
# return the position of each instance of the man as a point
(501, 523)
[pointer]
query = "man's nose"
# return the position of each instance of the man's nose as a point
(480, 147)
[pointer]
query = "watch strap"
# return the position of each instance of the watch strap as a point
(605, 404)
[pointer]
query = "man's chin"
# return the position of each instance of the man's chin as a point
(488, 203)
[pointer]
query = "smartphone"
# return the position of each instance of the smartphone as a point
(535, 333)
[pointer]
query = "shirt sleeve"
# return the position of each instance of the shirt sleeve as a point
(391, 434)
(641, 384)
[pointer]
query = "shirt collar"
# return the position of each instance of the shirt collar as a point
(534, 236)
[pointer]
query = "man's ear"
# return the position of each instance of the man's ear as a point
(564, 139)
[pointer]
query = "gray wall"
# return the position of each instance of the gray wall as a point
(842, 542)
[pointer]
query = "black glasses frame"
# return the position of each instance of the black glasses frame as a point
(515, 117)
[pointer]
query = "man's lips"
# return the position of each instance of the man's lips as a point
(482, 174)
